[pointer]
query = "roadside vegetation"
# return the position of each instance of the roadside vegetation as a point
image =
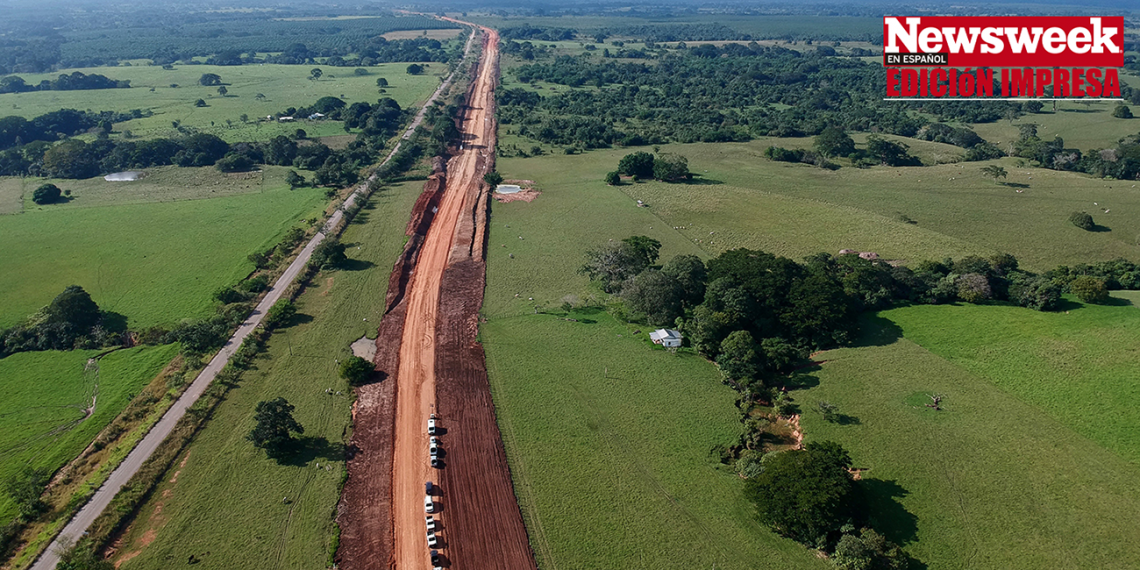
(290, 497)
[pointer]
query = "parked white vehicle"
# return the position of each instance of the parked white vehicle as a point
(429, 505)
(430, 522)
(432, 541)
(431, 425)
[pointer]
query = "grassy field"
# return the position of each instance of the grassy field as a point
(610, 453)
(745, 200)
(988, 484)
(12, 195)
(158, 254)
(1079, 366)
(255, 529)
(284, 86)
(993, 480)
(612, 469)
(43, 422)
(1086, 126)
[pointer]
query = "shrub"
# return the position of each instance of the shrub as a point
(613, 178)
(1082, 220)
(493, 178)
(1089, 289)
(46, 194)
(1122, 112)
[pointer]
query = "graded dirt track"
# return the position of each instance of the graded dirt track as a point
(438, 288)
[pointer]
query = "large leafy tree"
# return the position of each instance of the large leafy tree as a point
(639, 164)
(805, 494)
(656, 294)
(833, 141)
(75, 307)
(275, 426)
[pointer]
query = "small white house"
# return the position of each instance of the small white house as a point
(316, 116)
(666, 337)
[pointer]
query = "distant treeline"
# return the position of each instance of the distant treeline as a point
(79, 159)
(166, 38)
(74, 82)
(375, 51)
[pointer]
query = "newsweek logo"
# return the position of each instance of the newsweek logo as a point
(1026, 54)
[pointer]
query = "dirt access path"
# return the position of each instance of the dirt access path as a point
(427, 344)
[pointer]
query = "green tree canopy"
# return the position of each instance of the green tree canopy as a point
(210, 80)
(1089, 289)
(834, 141)
(670, 167)
(357, 370)
(639, 164)
(46, 194)
(656, 294)
(75, 307)
(1082, 220)
(805, 494)
(275, 426)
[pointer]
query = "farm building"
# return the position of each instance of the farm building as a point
(666, 337)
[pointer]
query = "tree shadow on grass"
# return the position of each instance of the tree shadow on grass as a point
(886, 514)
(1118, 302)
(305, 450)
(114, 322)
(297, 319)
(877, 331)
(1097, 228)
(355, 265)
(698, 180)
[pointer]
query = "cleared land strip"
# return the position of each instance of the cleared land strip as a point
(127, 469)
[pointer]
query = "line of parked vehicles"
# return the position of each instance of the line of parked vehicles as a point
(429, 490)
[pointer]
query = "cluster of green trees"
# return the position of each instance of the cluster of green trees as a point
(833, 142)
(79, 159)
(756, 314)
(713, 94)
(374, 51)
(666, 167)
(809, 495)
(71, 320)
(17, 131)
(1121, 162)
(74, 82)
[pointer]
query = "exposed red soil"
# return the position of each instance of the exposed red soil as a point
(521, 196)
(426, 344)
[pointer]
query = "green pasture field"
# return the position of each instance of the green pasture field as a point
(797, 210)
(1081, 366)
(284, 86)
(42, 413)
(994, 480)
(158, 184)
(609, 444)
(608, 439)
(256, 529)
(12, 195)
(155, 254)
(1005, 478)
(1086, 126)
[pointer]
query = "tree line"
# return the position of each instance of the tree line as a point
(76, 159)
(66, 82)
